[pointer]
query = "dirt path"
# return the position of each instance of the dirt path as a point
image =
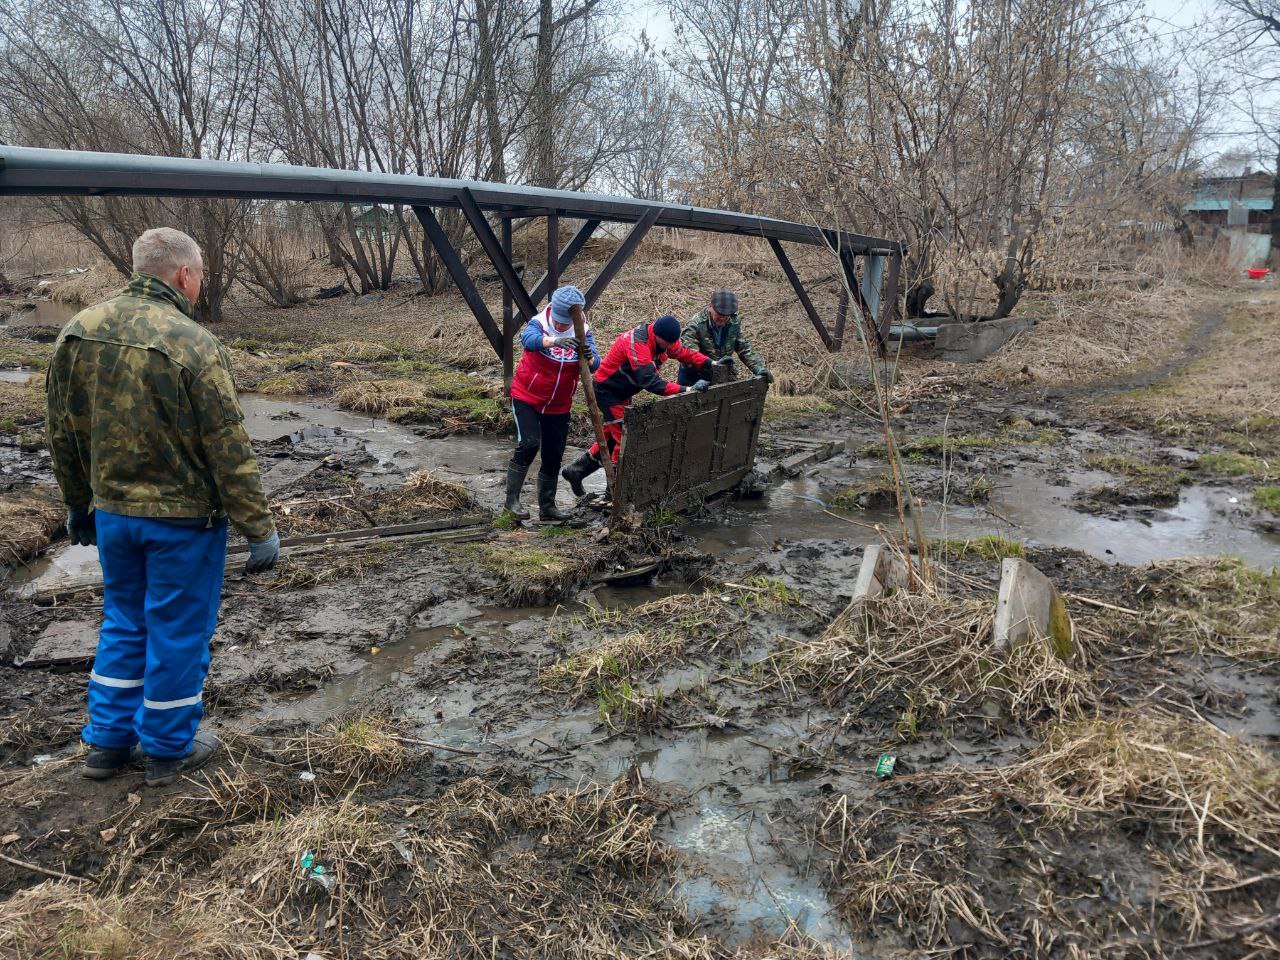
(1196, 346)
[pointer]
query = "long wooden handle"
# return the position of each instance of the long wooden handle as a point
(588, 391)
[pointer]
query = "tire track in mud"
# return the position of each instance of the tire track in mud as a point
(1196, 346)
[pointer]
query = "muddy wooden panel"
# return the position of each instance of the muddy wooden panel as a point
(682, 449)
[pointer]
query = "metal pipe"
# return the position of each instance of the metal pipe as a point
(35, 171)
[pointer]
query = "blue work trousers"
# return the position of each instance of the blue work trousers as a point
(162, 586)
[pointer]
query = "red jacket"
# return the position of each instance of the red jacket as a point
(631, 365)
(547, 376)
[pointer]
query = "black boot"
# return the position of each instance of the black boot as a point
(516, 473)
(547, 509)
(578, 471)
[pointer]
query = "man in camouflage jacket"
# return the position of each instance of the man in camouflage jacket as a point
(150, 450)
(717, 332)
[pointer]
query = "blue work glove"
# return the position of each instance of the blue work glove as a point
(82, 527)
(263, 556)
(765, 372)
(702, 386)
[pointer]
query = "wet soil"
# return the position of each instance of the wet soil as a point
(506, 657)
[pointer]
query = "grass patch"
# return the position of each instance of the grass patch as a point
(1152, 483)
(1238, 465)
(781, 411)
(359, 747)
(427, 489)
(530, 569)
(614, 659)
(22, 406)
(30, 517)
(622, 707)
(1216, 605)
(989, 546)
(1190, 803)
(928, 658)
(876, 493)
(1267, 498)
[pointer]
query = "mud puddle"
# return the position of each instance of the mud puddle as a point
(17, 376)
(1023, 506)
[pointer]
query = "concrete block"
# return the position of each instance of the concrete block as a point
(971, 342)
(853, 375)
(881, 570)
(66, 643)
(1030, 608)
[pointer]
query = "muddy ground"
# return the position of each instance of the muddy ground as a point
(502, 744)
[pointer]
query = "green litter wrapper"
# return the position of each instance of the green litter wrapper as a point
(885, 765)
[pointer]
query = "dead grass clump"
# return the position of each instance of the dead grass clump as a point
(930, 658)
(250, 370)
(1217, 605)
(36, 728)
(300, 512)
(301, 574)
(1170, 822)
(613, 659)
(361, 747)
(66, 921)
(22, 406)
(30, 517)
(789, 411)
(377, 397)
(426, 488)
(529, 575)
(304, 383)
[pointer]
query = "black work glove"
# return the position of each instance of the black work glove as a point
(82, 526)
(702, 386)
(723, 361)
(766, 373)
(566, 341)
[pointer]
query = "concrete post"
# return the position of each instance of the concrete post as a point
(1029, 607)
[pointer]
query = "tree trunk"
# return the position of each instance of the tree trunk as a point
(1275, 215)
(544, 172)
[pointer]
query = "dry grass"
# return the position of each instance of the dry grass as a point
(613, 659)
(359, 747)
(532, 572)
(1216, 605)
(61, 920)
(575, 874)
(1105, 330)
(36, 728)
(426, 488)
(354, 506)
(30, 517)
(1017, 855)
(929, 659)
(379, 397)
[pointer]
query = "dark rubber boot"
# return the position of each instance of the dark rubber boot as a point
(101, 763)
(578, 471)
(515, 480)
(162, 771)
(547, 509)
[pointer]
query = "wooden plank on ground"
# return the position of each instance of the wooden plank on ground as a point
(471, 526)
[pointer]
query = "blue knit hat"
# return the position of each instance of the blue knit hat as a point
(667, 327)
(562, 300)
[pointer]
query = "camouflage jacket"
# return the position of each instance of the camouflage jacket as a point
(143, 416)
(699, 335)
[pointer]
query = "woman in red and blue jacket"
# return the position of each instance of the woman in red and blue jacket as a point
(541, 395)
(631, 365)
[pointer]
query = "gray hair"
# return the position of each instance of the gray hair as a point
(162, 251)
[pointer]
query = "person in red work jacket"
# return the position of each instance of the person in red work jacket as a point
(541, 395)
(631, 365)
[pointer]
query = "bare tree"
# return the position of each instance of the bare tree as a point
(175, 77)
(1258, 34)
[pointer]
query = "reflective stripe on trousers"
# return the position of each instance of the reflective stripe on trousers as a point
(162, 586)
